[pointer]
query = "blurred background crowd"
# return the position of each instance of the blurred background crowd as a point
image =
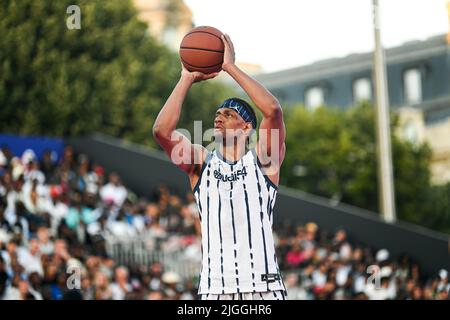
(58, 216)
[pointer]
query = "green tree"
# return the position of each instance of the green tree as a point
(110, 76)
(438, 208)
(332, 153)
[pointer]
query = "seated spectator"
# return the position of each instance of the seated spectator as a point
(102, 290)
(114, 191)
(121, 286)
(30, 258)
(90, 224)
(295, 256)
(45, 244)
(33, 173)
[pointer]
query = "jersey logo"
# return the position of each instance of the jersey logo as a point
(234, 176)
(270, 277)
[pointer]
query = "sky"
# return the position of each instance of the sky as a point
(283, 34)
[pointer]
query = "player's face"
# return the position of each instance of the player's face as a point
(228, 119)
(228, 123)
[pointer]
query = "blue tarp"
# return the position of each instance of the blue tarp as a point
(18, 144)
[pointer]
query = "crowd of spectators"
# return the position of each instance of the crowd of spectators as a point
(321, 266)
(57, 214)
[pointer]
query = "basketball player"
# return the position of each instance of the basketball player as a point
(235, 192)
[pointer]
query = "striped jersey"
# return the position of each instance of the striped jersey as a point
(236, 201)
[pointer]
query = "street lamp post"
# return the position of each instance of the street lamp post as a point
(383, 132)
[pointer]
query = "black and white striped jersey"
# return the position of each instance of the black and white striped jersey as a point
(236, 202)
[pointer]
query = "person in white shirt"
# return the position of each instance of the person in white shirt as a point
(30, 258)
(121, 286)
(114, 191)
(33, 173)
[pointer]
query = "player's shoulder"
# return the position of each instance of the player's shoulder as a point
(271, 161)
(199, 157)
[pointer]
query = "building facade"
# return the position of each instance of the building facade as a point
(168, 20)
(418, 75)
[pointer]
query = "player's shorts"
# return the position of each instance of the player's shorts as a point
(269, 295)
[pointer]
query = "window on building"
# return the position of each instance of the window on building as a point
(314, 98)
(412, 81)
(410, 132)
(362, 89)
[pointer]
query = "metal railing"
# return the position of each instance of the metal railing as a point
(144, 250)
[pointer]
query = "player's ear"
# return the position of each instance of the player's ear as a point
(248, 128)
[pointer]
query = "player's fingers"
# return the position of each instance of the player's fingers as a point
(225, 41)
(211, 75)
(230, 42)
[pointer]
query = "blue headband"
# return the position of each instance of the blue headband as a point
(241, 109)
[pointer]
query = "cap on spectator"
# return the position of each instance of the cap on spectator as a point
(382, 255)
(171, 277)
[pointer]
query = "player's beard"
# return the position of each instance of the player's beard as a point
(223, 138)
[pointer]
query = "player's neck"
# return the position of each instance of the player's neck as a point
(232, 152)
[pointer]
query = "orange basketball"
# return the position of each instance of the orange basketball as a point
(202, 50)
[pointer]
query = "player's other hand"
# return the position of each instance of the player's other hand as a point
(196, 76)
(229, 54)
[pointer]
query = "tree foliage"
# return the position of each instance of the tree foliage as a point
(109, 76)
(332, 153)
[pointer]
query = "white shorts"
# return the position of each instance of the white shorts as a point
(269, 295)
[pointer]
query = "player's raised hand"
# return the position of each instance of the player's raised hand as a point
(196, 76)
(229, 53)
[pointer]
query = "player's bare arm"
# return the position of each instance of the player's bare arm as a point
(164, 128)
(269, 107)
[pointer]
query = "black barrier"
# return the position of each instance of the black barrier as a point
(143, 168)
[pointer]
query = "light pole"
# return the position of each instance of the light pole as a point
(383, 131)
